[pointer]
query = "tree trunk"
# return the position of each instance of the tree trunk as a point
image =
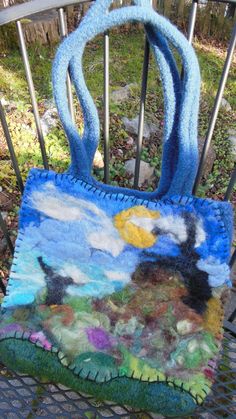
(7, 3)
(42, 28)
(180, 11)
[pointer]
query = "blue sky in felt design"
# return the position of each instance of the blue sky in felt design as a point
(77, 238)
(66, 243)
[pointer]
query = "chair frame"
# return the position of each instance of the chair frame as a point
(15, 14)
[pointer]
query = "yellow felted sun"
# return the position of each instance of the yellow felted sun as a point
(134, 226)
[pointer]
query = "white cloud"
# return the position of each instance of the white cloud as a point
(117, 276)
(64, 207)
(173, 226)
(108, 241)
(75, 273)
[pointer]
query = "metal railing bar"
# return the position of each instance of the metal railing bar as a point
(17, 12)
(106, 106)
(192, 20)
(32, 92)
(233, 259)
(232, 316)
(3, 287)
(230, 186)
(13, 13)
(11, 148)
(228, 337)
(223, 1)
(218, 392)
(64, 32)
(216, 107)
(226, 342)
(231, 327)
(191, 27)
(141, 112)
(6, 234)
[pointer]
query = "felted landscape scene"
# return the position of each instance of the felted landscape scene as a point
(139, 309)
(127, 290)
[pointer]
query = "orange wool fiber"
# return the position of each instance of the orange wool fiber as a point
(213, 316)
(66, 311)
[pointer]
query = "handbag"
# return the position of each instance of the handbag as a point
(112, 291)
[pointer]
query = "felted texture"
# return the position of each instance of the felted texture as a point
(112, 291)
(180, 155)
(115, 295)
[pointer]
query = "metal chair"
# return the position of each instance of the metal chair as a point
(22, 396)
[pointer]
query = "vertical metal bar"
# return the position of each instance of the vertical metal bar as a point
(192, 20)
(63, 33)
(232, 316)
(11, 148)
(141, 113)
(106, 106)
(191, 27)
(32, 91)
(230, 185)
(233, 259)
(216, 107)
(231, 264)
(6, 234)
(2, 286)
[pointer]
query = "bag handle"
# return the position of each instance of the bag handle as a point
(180, 139)
(167, 67)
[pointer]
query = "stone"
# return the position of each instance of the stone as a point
(131, 126)
(98, 162)
(211, 156)
(4, 214)
(130, 141)
(48, 103)
(225, 105)
(8, 106)
(119, 152)
(146, 171)
(232, 140)
(49, 120)
(4, 102)
(122, 94)
(232, 131)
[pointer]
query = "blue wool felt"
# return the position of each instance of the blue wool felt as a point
(84, 248)
(71, 234)
(172, 98)
(169, 96)
(82, 151)
(50, 235)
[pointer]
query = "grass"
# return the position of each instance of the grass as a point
(126, 55)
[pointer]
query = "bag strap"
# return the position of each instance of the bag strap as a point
(181, 97)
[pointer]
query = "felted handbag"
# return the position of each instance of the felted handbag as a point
(116, 292)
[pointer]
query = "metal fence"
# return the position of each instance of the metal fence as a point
(15, 14)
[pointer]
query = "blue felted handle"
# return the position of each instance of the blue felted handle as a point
(91, 132)
(181, 98)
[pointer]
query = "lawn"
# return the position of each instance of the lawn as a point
(126, 55)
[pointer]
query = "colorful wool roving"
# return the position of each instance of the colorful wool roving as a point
(117, 292)
(124, 290)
